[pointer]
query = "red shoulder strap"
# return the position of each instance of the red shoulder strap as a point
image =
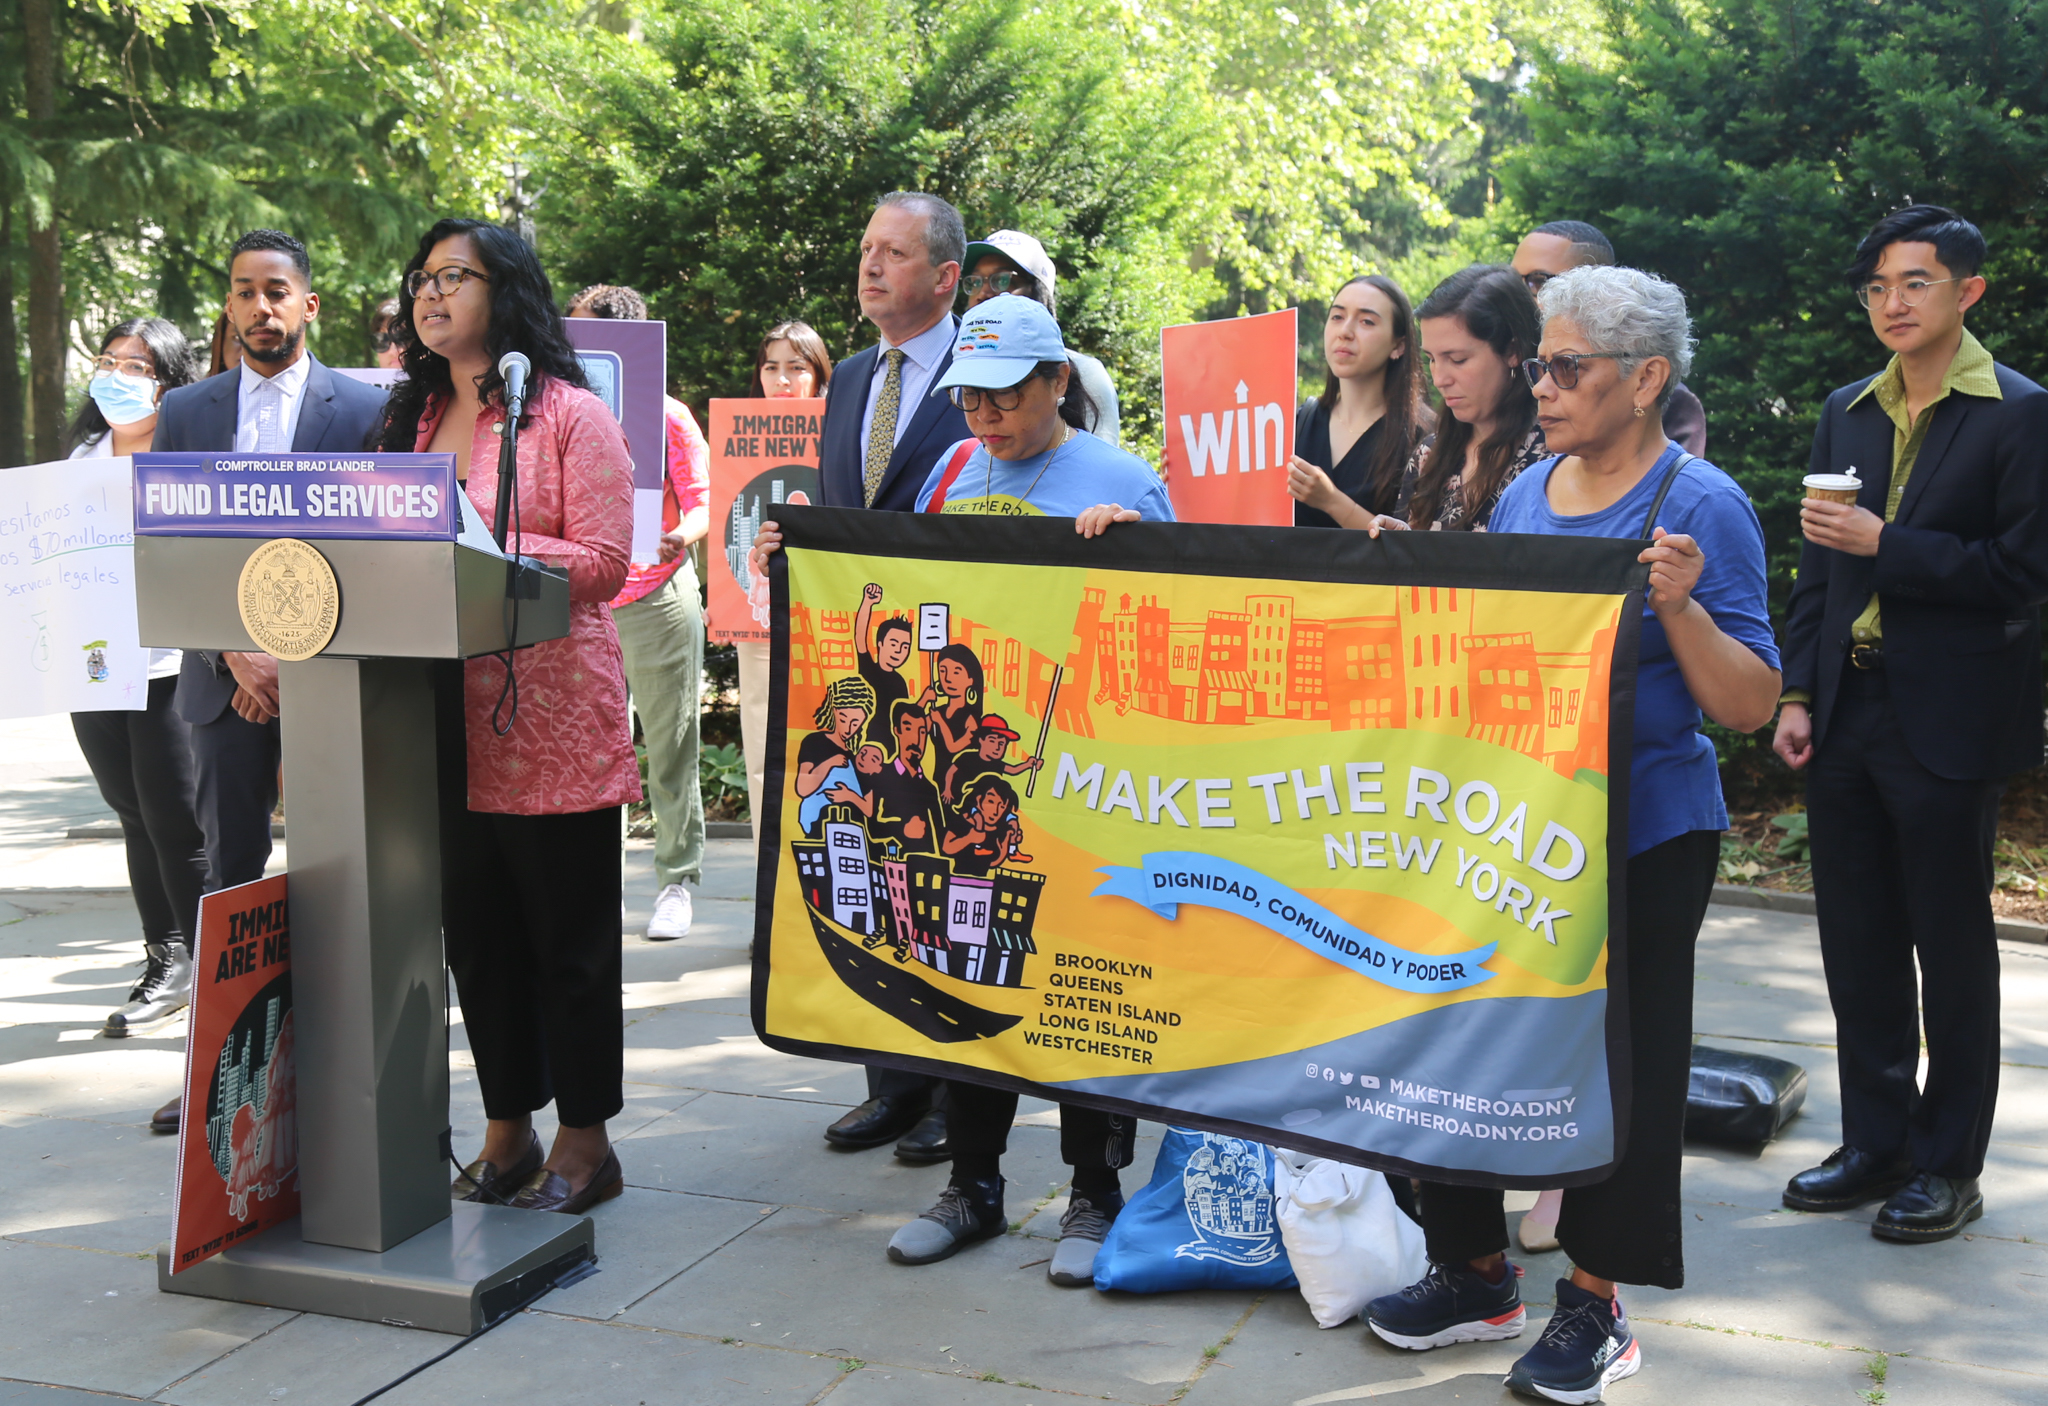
(961, 454)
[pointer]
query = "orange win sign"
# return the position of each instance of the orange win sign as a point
(1229, 402)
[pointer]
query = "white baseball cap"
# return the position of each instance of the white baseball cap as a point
(1020, 249)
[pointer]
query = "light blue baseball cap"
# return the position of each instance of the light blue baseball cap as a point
(1001, 342)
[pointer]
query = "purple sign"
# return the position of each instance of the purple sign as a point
(626, 364)
(377, 496)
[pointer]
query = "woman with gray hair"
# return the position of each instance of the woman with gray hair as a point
(1614, 342)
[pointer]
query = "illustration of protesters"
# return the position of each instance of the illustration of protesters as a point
(843, 787)
(955, 699)
(986, 832)
(991, 744)
(906, 802)
(841, 718)
(882, 667)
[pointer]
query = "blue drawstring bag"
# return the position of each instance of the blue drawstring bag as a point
(1204, 1221)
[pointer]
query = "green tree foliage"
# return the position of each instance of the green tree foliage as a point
(727, 167)
(1742, 149)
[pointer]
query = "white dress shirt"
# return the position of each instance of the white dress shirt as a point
(921, 356)
(163, 663)
(270, 403)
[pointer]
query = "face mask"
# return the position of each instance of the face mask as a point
(124, 400)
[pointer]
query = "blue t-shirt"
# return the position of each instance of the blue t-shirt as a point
(1062, 482)
(1674, 785)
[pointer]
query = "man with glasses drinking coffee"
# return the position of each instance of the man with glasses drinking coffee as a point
(1563, 245)
(1912, 691)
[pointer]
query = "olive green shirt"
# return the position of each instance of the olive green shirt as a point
(1972, 372)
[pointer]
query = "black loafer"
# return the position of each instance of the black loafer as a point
(877, 1121)
(165, 1119)
(1849, 1178)
(927, 1142)
(1929, 1208)
(549, 1191)
(486, 1182)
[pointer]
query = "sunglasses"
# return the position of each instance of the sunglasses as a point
(1562, 369)
(999, 282)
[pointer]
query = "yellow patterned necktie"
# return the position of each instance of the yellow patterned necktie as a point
(882, 434)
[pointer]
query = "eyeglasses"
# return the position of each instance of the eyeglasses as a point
(1876, 293)
(445, 281)
(1000, 282)
(1537, 279)
(1005, 400)
(124, 366)
(1563, 369)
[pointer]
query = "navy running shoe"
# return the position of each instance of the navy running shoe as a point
(1585, 1346)
(1449, 1306)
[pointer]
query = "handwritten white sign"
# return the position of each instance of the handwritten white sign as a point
(68, 641)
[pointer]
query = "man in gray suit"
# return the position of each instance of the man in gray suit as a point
(279, 400)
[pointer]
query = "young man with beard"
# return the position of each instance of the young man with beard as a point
(279, 400)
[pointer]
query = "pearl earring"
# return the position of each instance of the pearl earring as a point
(1063, 400)
(1639, 412)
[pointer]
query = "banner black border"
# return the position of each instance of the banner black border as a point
(1476, 560)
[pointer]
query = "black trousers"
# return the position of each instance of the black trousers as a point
(530, 918)
(1902, 869)
(143, 764)
(901, 1083)
(1627, 1228)
(234, 765)
(1095, 1144)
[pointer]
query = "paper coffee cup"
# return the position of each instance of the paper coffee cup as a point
(1833, 488)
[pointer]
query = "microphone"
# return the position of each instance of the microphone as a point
(514, 368)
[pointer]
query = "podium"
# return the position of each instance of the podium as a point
(418, 579)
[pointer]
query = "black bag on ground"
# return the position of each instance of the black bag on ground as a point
(1739, 1098)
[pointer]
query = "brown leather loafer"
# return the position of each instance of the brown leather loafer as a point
(546, 1191)
(165, 1119)
(483, 1181)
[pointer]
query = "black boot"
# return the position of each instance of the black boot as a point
(1849, 1178)
(927, 1142)
(967, 1211)
(879, 1120)
(1929, 1208)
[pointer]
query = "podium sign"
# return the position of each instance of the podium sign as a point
(415, 578)
(238, 1144)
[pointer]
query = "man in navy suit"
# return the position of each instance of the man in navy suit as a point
(1912, 691)
(886, 421)
(280, 399)
(886, 424)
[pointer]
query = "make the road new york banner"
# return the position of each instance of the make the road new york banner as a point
(1287, 834)
(238, 1142)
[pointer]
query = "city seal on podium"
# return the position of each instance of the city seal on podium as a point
(289, 599)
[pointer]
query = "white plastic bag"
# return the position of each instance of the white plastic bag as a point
(1349, 1243)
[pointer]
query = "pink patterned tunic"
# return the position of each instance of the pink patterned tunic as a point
(571, 747)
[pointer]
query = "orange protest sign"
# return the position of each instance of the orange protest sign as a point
(238, 1139)
(1229, 409)
(763, 452)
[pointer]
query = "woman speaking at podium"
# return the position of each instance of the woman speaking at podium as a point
(533, 767)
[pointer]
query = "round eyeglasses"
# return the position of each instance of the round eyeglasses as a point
(445, 281)
(125, 366)
(1876, 293)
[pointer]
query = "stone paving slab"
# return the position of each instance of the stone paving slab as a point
(818, 1281)
(773, 1151)
(539, 1357)
(900, 1386)
(646, 1238)
(309, 1361)
(88, 1185)
(96, 1321)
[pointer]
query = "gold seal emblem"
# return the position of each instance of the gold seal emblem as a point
(289, 599)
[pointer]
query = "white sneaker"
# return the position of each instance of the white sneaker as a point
(672, 914)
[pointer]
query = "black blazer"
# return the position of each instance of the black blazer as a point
(336, 415)
(935, 425)
(1960, 577)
